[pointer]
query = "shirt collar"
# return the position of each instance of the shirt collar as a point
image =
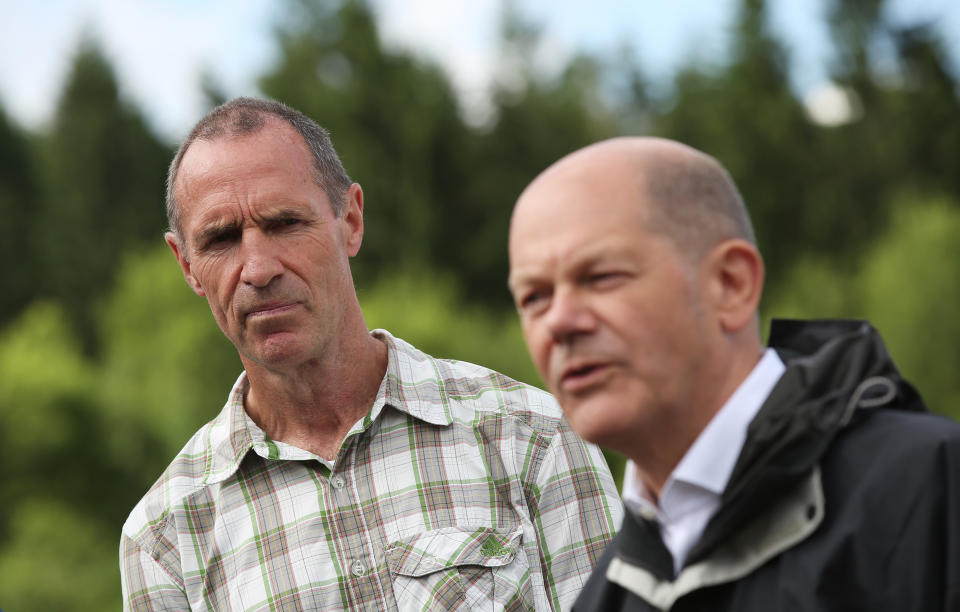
(708, 463)
(411, 384)
(228, 436)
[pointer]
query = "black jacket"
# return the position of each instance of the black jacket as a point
(846, 496)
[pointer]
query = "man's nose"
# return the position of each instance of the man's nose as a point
(261, 263)
(569, 315)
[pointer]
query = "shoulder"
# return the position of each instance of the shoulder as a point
(185, 477)
(470, 391)
(487, 390)
(902, 431)
(885, 450)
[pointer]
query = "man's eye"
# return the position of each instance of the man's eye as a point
(284, 223)
(532, 300)
(605, 280)
(219, 239)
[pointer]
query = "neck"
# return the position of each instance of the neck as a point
(314, 405)
(659, 448)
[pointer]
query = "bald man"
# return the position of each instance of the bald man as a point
(804, 476)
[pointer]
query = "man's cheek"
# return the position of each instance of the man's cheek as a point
(541, 358)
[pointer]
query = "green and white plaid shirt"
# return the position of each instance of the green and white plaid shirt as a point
(462, 489)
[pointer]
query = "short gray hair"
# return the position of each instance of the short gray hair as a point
(695, 203)
(242, 116)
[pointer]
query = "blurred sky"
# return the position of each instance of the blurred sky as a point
(159, 48)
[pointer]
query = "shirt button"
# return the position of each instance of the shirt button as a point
(338, 481)
(357, 568)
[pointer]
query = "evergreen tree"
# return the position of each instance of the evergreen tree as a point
(103, 175)
(18, 207)
(393, 118)
(537, 119)
(746, 115)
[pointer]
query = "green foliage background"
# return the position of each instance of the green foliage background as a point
(108, 362)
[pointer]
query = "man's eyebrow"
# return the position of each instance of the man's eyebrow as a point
(282, 214)
(213, 230)
(521, 279)
(584, 259)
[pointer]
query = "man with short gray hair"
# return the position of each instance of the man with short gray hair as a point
(347, 470)
(804, 476)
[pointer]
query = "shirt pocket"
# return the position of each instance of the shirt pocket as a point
(461, 568)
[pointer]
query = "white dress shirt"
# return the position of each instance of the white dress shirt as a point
(692, 492)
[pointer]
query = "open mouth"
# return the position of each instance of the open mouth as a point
(582, 377)
(581, 371)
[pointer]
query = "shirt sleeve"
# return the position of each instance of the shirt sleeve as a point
(578, 511)
(146, 584)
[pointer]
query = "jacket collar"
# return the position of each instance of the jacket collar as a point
(827, 363)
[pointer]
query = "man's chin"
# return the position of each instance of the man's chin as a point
(275, 351)
(590, 419)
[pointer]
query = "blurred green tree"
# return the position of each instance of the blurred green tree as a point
(58, 559)
(745, 114)
(536, 119)
(165, 366)
(438, 190)
(427, 309)
(910, 287)
(60, 504)
(102, 173)
(907, 283)
(902, 131)
(18, 203)
(393, 119)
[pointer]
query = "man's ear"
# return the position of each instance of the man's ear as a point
(735, 273)
(352, 219)
(174, 243)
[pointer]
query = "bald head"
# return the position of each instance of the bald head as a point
(633, 269)
(680, 192)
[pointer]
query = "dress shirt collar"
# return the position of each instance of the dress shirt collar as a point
(234, 433)
(708, 463)
(691, 495)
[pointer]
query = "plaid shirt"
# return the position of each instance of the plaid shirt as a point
(462, 489)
